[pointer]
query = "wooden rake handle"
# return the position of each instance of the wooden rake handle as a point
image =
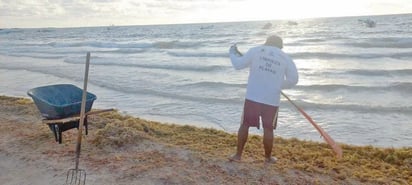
(82, 111)
(335, 147)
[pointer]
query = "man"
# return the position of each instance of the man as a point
(270, 71)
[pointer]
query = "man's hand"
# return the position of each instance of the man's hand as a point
(233, 50)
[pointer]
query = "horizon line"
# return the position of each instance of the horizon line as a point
(210, 22)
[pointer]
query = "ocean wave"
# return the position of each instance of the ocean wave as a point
(173, 67)
(214, 85)
(45, 30)
(403, 87)
(103, 83)
(329, 87)
(143, 45)
(198, 54)
(11, 31)
(175, 45)
(237, 100)
(326, 55)
(99, 44)
(42, 53)
(123, 51)
(310, 40)
(171, 94)
(359, 72)
(220, 35)
(354, 107)
(396, 72)
(31, 55)
(403, 42)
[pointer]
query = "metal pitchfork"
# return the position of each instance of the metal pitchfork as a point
(77, 176)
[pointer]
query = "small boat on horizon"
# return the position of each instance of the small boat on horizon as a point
(368, 22)
(207, 27)
(292, 23)
(267, 26)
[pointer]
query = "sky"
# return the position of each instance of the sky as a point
(80, 13)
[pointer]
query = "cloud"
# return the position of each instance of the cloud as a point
(29, 8)
(69, 13)
(390, 7)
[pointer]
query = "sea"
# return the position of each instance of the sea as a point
(355, 78)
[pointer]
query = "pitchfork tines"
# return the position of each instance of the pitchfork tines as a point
(76, 177)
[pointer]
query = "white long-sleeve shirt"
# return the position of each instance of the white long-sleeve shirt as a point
(271, 70)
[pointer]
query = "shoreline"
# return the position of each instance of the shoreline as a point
(360, 130)
(123, 149)
(203, 125)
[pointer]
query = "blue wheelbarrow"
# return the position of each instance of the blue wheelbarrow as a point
(60, 106)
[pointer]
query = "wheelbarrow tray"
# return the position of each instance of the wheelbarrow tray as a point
(60, 100)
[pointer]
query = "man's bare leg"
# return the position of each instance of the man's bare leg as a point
(268, 141)
(242, 136)
(268, 144)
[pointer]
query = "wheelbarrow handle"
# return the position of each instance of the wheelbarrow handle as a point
(98, 111)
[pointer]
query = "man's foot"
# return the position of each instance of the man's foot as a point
(234, 158)
(271, 160)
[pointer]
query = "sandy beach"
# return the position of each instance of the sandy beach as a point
(123, 150)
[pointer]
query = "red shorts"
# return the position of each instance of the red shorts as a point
(252, 111)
